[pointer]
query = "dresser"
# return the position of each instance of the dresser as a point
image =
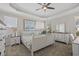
(75, 47)
(62, 37)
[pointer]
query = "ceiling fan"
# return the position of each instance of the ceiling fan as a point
(45, 6)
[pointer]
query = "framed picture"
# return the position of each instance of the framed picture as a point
(29, 25)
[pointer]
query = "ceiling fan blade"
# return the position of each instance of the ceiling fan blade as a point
(39, 3)
(50, 8)
(44, 3)
(48, 4)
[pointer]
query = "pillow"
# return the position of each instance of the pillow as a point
(72, 36)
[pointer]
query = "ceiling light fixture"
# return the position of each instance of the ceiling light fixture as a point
(45, 6)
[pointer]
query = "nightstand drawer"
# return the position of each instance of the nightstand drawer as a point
(1, 43)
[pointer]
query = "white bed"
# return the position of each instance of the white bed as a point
(36, 42)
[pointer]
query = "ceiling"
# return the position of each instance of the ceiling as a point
(30, 8)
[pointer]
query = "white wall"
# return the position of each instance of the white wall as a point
(68, 20)
(20, 18)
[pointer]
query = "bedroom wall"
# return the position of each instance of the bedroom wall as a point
(2, 14)
(68, 20)
(20, 18)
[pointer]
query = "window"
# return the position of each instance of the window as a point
(60, 28)
(10, 21)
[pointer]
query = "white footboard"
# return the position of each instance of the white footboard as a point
(36, 42)
(42, 41)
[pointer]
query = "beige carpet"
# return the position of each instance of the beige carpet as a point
(58, 49)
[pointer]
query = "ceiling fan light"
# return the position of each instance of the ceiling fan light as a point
(45, 8)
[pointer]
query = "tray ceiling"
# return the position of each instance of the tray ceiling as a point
(31, 8)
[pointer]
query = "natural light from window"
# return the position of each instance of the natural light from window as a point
(60, 27)
(10, 21)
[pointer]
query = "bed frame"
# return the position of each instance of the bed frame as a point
(36, 42)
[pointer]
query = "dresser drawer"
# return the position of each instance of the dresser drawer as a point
(1, 43)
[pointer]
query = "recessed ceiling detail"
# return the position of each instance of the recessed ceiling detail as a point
(31, 8)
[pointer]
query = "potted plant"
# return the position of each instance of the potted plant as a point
(77, 33)
(43, 32)
(49, 29)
